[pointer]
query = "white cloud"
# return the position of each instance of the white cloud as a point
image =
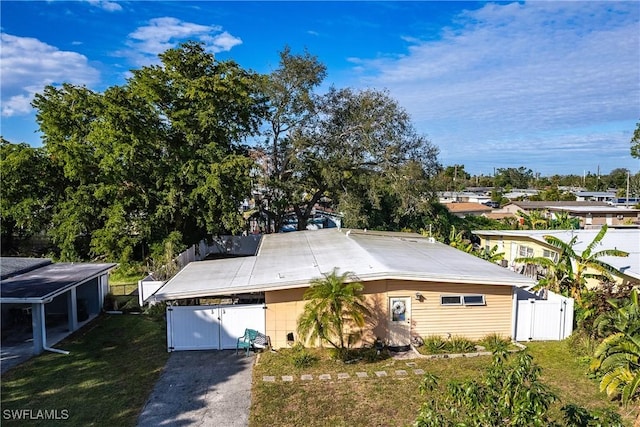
(109, 6)
(27, 65)
(224, 42)
(164, 33)
(518, 69)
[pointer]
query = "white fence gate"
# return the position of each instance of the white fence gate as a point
(211, 327)
(544, 320)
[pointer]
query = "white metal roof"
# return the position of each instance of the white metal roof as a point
(627, 240)
(594, 209)
(291, 260)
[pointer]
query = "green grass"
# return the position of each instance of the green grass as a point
(105, 380)
(395, 401)
(116, 360)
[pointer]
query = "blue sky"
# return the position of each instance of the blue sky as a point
(550, 85)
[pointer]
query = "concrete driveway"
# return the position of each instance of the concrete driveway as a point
(203, 388)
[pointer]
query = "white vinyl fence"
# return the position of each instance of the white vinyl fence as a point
(147, 287)
(538, 319)
(211, 327)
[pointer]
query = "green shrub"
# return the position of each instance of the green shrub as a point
(459, 344)
(495, 342)
(301, 357)
(157, 311)
(581, 343)
(435, 344)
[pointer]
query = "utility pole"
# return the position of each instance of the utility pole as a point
(628, 178)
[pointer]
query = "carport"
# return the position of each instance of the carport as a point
(46, 293)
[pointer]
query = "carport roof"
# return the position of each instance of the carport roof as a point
(48, 281)
(292, 260)
(11, 266)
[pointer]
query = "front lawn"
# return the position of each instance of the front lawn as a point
(393, 400)
(113, 364)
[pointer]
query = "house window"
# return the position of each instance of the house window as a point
(473, 299)
(450, 299)
(525, 251)
(552, 255)
(462, 300)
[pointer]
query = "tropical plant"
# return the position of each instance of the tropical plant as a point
(617, 358)
(458, 344)
(535, 220)
(336, 311)
(434, 344)
(510, 393)
(564, 221)
(594, 317)
(495, 342)
(458, 240)
(491, 255)
(570, 272)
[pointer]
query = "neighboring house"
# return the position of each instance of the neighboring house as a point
(597, 216)
(435, 288)
(518, 193)
(464, 209)
(531, 243)
(595, 196)
(528, 207)
(36, 294)
(463, 196)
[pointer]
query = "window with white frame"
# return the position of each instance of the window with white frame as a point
(451, 299)
(462, 300)
(473, 299)
(552, 255)
(525, 251)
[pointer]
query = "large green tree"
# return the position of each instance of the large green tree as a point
(30, 188)
(291, 104)
(161, 153)
(513, 177)
(363, 152)
(635, 142)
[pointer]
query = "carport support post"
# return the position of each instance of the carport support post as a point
(72, 309)
(37, 325)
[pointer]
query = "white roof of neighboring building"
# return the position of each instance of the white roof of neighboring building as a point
(292, 260)
(627, 240)
(593, 209)
(595, 193)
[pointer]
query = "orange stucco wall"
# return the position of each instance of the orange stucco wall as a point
(427, 316)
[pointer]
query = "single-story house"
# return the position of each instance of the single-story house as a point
(414, 285)
(597, 216)
(527, 207)
(595, 196)
(462, 209)
(531, 243)
(36, 294)
(463, 196)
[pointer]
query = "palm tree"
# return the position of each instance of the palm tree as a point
(570, 273)
(618, 356)
(336, 306)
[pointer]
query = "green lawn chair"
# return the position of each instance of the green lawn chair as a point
(247, 340)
